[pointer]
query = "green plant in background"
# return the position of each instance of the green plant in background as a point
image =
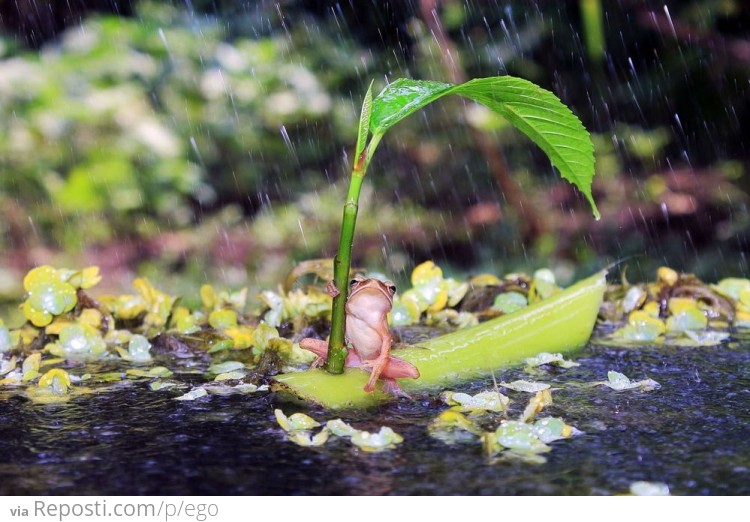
(123, 124)
(592, 16)
(535, 111)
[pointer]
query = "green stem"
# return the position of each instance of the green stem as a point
(343, 261)
(341, 266)
(593, 29)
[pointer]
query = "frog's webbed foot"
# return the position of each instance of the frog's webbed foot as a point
(331, 289)
(318, 362)
(391, 387)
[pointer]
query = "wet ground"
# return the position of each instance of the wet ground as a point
(691, 434)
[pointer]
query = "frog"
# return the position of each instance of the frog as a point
(368, 333)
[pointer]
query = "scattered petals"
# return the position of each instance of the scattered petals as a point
(79, 342)
(483, 401)
(641, 327)
(56, 379)
(525, 386)
(222, 319)
(732, 287)
(226, 366)
(555, 359)
(707, 338)
(509, 302)
(295, 422)
(230, 376)
(195, 393)
(156, 371)
(240, 389)
(453, 427)
(536, 404)
(551, 429)
(649, 489)
(138, 349)
(7, 365)
(633, 299)
(685, 315)
(307, 440)
(385, 439)
(5, 341)
(162, 385)
(520, 436)
(340, 428)
(618, 382)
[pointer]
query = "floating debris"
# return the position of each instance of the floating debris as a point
(195, 393)
(618, 382)
(509, 302)
(552, 359)
(525, 386)
(536, 404)
(155, 372)
(649, 489)
(487, 401)
(384, 439)
(295, 422)
(452, 427)
(677, 309)
(298, 427)
(139, 350)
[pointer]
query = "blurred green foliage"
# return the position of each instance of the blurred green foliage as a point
(151, 117)
(178, 116)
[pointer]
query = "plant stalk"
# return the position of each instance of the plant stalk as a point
(342, 262)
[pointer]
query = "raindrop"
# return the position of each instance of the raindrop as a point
(163, 38)
(287, 140)
(194, 146)
(671, 24)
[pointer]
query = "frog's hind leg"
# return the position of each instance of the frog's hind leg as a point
(376, 367)
(318, 347)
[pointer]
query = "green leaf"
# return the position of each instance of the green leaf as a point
(534, 111)
(562, 323)
(401, 98)
(364, 123)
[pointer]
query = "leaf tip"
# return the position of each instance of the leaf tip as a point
(594, 209)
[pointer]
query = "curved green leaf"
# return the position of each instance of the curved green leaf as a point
(561, 323)
(401, 98)
(534, 111)
(364, 123)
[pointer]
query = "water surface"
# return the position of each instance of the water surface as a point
(691, 434)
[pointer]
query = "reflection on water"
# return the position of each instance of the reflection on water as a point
(691, 434)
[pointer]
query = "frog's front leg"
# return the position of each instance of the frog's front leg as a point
(320, 348)
(331, 289)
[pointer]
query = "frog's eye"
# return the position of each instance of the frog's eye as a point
(353, 282)
(392, 288)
